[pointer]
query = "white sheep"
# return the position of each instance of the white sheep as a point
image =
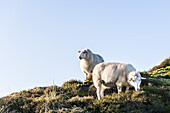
(109, 74)
(88, 61)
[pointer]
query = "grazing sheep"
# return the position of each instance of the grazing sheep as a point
(88, 61)
(108, 74)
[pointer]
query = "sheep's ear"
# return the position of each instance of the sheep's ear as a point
(79, 51)
(143, 78)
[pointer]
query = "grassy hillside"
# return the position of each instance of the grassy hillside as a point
(164, 64)
(75, 97)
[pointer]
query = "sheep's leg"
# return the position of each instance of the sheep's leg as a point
(90, 75)
(127, 88)
(119, 88)
(102, 92)
(98, 92)
(86, 74)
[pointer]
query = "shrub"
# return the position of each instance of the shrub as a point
(70, 88)
(71, 82)
(152, 82)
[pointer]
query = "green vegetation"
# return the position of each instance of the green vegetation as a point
(77, 97)
(164, 64)
(162, 72)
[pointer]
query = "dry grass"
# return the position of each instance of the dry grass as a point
(75, 97)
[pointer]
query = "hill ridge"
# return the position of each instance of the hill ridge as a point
(76, 97)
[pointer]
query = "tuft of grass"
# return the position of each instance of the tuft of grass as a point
(80, 101)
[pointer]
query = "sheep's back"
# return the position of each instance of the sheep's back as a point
(111, 72)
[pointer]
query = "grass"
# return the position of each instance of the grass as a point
(77, 97)
(164, 64)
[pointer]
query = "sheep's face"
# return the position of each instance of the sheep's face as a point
(83, 54)
(135, 80)
(135, 83)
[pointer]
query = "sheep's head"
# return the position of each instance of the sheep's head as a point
(84, 54)
(134, 79)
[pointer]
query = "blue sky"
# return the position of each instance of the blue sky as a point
(39, 39)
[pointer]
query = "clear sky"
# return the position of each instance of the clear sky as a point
(39, 39)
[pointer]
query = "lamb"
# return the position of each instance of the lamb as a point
(109, 75)
(88, 61)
